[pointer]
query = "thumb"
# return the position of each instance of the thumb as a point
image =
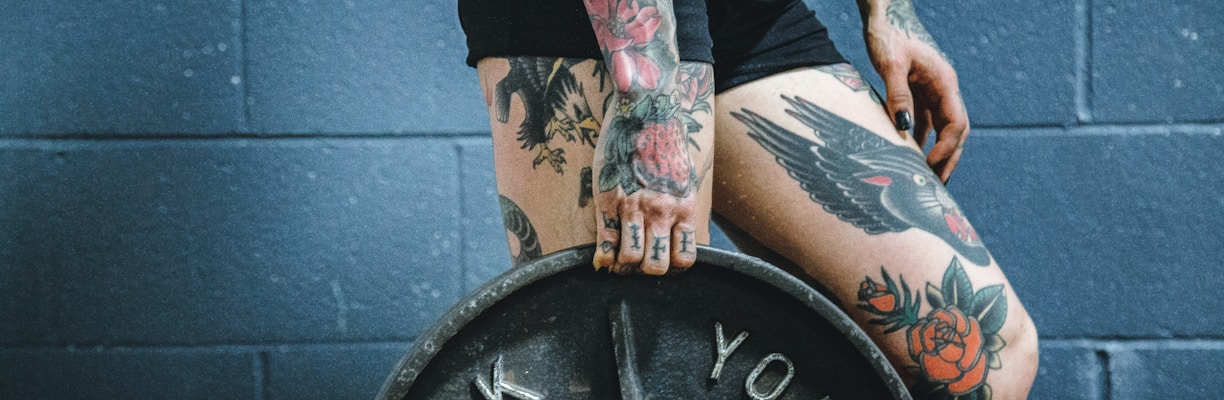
(900, 101)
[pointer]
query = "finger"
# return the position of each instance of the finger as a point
(923, 124)
(900, 99)
(683, 247)
(940, 157)
(658, 254)
(952, 123)
(606, 240)
(632, 241)
(946, 174)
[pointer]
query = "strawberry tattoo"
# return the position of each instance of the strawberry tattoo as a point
(647, 147)
(662, 162)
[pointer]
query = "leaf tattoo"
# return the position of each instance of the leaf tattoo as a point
(957, 344)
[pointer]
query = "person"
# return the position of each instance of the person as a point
(631, 123)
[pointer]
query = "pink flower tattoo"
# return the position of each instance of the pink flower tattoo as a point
(626, 32)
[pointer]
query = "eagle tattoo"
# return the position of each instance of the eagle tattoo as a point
(864, 179)
(546, 87)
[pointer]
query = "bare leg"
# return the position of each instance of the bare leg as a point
(546, 115)
(810, 167)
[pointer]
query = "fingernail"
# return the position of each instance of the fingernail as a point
(904, 122)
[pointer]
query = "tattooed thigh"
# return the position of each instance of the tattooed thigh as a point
(545, 115)
(834, 191)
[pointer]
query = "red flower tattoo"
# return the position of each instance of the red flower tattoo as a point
(877, 297)
(949, 347)
(957, 344)
(626, 31)
(695, 84)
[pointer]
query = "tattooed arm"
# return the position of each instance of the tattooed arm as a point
(644, 176)
(922, 86)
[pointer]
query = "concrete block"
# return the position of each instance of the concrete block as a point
(65, 374)
(354, 372)
(1012, 71)
(360, 67)
(228, 241)
(1155, 61)
(485, 251)
(121, 67)
(1103, 234)
(1068, 371)
(1186, 370)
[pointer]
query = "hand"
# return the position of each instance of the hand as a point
(644, 188)
(922, 86)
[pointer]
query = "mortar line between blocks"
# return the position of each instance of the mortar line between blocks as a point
(246, 75)
(1106, 381)
(1083, 61)
(263, 372)
(463, 220)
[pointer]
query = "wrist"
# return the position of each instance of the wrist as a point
(872, 10)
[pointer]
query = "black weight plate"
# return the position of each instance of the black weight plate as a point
(556, 329)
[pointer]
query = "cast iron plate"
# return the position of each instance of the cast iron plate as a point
(546, 330)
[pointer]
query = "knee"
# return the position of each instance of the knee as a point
(1021, 356)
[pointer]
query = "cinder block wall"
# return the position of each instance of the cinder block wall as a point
(269, 199)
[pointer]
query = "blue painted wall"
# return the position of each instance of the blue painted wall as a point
(269, 199)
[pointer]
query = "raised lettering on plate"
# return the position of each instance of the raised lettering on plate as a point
(750, 383)
(498, 386)
(724, 349)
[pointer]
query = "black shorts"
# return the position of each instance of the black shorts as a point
(744, 39)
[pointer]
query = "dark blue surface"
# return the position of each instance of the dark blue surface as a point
(1007, 52)
(264, 198)
(230, 241)
(128, 374)
(1068, 371)
(1099, 232)
(1168, 371)
(1157, 61)
(120, 67)
(331, 372)
(485, 251)
(351, 67)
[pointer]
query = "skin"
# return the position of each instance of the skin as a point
(918, 78)
(769, 211)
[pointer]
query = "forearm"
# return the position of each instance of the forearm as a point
(898, 14)
(642, 139)
(638, 42)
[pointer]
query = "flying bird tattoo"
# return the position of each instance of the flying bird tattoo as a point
(864, 179)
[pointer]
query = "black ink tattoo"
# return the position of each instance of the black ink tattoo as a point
(546, 87)
(517, 223)
(957, 344)
(686, 241)
(660, 244)
(610, 223)
(636, 238)
(901, 15)
(695, 83)
(864, 179)
(847, 75)
(607, 246)
(585, 190)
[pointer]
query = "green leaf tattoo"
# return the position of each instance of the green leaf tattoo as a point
(647, 148)
(957, 344)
